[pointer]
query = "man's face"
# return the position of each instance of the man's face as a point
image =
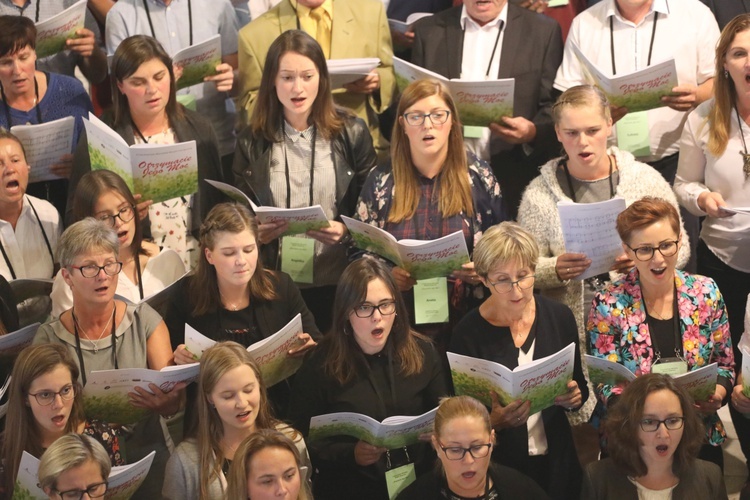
(484, 11)
(310, 4)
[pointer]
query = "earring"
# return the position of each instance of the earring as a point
(726, 74)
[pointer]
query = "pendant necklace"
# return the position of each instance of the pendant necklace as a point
(101, 335)
(745, 155)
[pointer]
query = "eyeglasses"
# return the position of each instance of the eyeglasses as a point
(125, 214)
(45, 398)
(92, 270)
(672, 424)
(458, 453)
(367, 310)
(94, 491)
(505, 286)
(415, 118)
(645, 253)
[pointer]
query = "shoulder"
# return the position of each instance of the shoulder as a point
(604, 475)
(64, 82)
(697, 282)
(45, 209)
(515, 481)
(197, 121)
(702, 472)
(540, 21)
(144, 318)
(425, 487)
(552, 307)
(353, 124)
(167, 259)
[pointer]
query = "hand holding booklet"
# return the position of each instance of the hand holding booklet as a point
(540, 381)
(271, 354)
(343, 71)
(393, 432)
(122, 483)
(198, 61)
(421, 259)
(52, 33)
(44, 144)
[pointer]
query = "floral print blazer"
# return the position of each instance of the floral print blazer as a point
(618, 331)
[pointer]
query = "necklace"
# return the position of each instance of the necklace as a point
(744, 153)
(230, 306)
(101, 335)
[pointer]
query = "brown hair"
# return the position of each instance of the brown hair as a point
(203, 283)
(216, 361)
(256, 442)
(268, 113)
(725, 94)
(16, 32)
(624, 419)
(344, 354)
(21, 430)
(645, 212)
(454, 174)
(579, 97)
(130, 54)
(95, 184)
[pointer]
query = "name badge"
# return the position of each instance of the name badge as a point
(297, 256)
(473, 132)
(632, 134)
(431, 301)
(398, 479)
(670, 366)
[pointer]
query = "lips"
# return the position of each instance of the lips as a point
(101, 289)
(58, 420)
(377, 333)
(469, 475)
(585, 156)
(244, 416)
(13, 186)
(659, 271)
(662, 450)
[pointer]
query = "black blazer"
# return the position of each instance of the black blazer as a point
(726, 10)
(532, 51)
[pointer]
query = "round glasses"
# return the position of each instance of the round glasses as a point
(92, 270)
(672, 424)
(438, 117)
(94, 491)
(458, 453)
(505, 286)
(45, 398)
(645, 253)
(367, 310)
(125, 214)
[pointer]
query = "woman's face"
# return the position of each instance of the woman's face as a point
(516, 299)
(273, 474)
(658, 270)
(466, 476)
(583, 132)
(371, 334)
(52, 419)
(110, 203)
(78, 478)
(15, 172)
(297, 86)
(97, 290)
(236, 397)
(147, 89)
(659, 446)
(737, 62)
(428, 139)
(17, 71)
(234, 256)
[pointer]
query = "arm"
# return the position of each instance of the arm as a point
(177, 479)
(100, 8)
(690, 184)
(115, 30)
(92, 61)
(158, 349)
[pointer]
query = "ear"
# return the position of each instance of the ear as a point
(626, 248)
(434, 442)
(119, 87)
(66, 276)
(209, 256)
(557, 133)
(492, 437)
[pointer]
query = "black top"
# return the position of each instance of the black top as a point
(371, 393)
(509, 484)
(555, 328)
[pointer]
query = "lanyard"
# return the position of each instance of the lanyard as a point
(36, 106)
(494, 48)
(46, 242)
(312, 168)
(675, 327)
(23, 9)
(151, 24)
(79, 351)
(138, 273)
(570, 181)
(612, 42)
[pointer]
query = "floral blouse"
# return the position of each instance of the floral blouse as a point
(618, 331)
(107, 436)
(374, 202)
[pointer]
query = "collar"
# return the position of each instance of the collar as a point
(25, 211)
(294, 135)
(303, 11)
(21, 8)
(465, 19)
(660, 6)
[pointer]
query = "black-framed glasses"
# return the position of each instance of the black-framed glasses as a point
(94, 491)
(671, 423)
(125, 214)
(46, 398)
(458, 452)
(645, 253)
(437, 117)
(92, 270)
(505, 286)
(367, 310)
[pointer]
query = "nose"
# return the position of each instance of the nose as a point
(57, 401)
(662, 430)
(297, 84)
(468, 457)
(281, 489)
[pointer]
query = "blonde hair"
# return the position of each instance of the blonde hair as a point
(453, 194)
(68, 452)
(720, 114)
(457, 407)
(505, 242)
(579, 97)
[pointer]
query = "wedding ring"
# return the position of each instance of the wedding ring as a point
(567, 270)
(518, 419)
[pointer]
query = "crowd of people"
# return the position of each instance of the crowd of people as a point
(198, 281)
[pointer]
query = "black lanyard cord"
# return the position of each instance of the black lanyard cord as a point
(570, 180)
(500, 27)
(23, 9)
(46, 241)
(36, 105)
(151, 23)
(612, 42)
(79, 351)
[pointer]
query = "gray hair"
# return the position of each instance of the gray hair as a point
(503, 243)
(70, 451)
(86, 235)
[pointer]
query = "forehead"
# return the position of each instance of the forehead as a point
(294, 61)
(228, 239)
(428, 104)
(661, 401)
(57, 377)
(235, 379)
(585, 115)
(148, 68)
(10, 146)
(271, 460)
